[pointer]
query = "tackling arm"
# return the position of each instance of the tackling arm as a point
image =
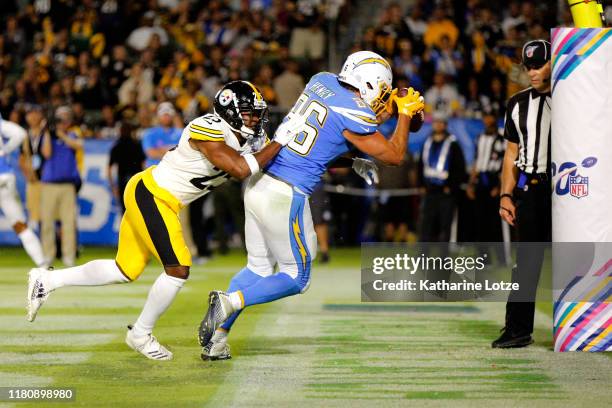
(230, 161)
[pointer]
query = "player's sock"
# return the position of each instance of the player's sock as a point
(240, 281)
(32, 246)
(161, 295)
(219, 336)
(93, 273)
(270, 288)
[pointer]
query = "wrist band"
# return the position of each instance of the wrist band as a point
(252, 163)
(506, 195)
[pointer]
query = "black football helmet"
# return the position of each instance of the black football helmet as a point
(237, 97)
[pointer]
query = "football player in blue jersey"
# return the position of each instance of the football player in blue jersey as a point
(333, 113)
(11, 137)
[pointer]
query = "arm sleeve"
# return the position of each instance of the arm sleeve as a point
(15, 135)
(510, 132)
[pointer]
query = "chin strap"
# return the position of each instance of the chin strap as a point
(246, 132)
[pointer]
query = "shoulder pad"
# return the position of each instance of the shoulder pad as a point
(207, 128)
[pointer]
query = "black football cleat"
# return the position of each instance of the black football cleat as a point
(508, 339)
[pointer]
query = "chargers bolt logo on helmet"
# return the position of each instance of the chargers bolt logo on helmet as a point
(371, 74)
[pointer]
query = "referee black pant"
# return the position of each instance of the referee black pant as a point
(533, 221)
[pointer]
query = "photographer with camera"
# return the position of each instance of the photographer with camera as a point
(60, 181)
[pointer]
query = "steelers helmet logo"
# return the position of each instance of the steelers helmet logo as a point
(226, 97)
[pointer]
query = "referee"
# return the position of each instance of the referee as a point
(525, 200)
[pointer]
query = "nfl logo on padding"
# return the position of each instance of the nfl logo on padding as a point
(579, 186)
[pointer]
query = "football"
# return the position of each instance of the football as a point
(417, 120)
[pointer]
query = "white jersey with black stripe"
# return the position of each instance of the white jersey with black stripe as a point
(188, 174)
(528, 123)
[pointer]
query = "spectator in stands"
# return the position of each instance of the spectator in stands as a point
(109, 127)
(157, 140)
(408, 65)
(126, 159)
(60, 182)
(263, 82)
(488, 24)
(445, 58)
(192, 101)
(497, 96)
(116, 67)
(14, 38)
(513, 17)
(442, 97)
(476, 103)
(289, 85)
(140, 38)
(391, 29)
(417, 26)
(138, 83)
(307, 37)
(438, 26)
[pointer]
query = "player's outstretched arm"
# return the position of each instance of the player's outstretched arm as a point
(392, 151)
(230, 161)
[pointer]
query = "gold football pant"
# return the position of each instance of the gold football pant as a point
(150, 225)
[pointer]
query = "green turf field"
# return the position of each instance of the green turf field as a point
(321, 349)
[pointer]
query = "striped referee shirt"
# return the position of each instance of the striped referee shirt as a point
(528, 124)
(490, 150)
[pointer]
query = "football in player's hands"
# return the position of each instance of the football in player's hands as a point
(418, 118)
(400, 92)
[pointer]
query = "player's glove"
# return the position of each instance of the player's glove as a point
(287, 130)
(408, 104)
(254, 144)
(366, 169)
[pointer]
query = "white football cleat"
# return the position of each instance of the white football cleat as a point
(147, 345)
(216, 351)
(37, 294)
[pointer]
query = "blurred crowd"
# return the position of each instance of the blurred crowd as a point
(136, 72)
(113, 61)
(464, 56)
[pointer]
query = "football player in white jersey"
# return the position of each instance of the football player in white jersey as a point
(11, 137)
(212, 148)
